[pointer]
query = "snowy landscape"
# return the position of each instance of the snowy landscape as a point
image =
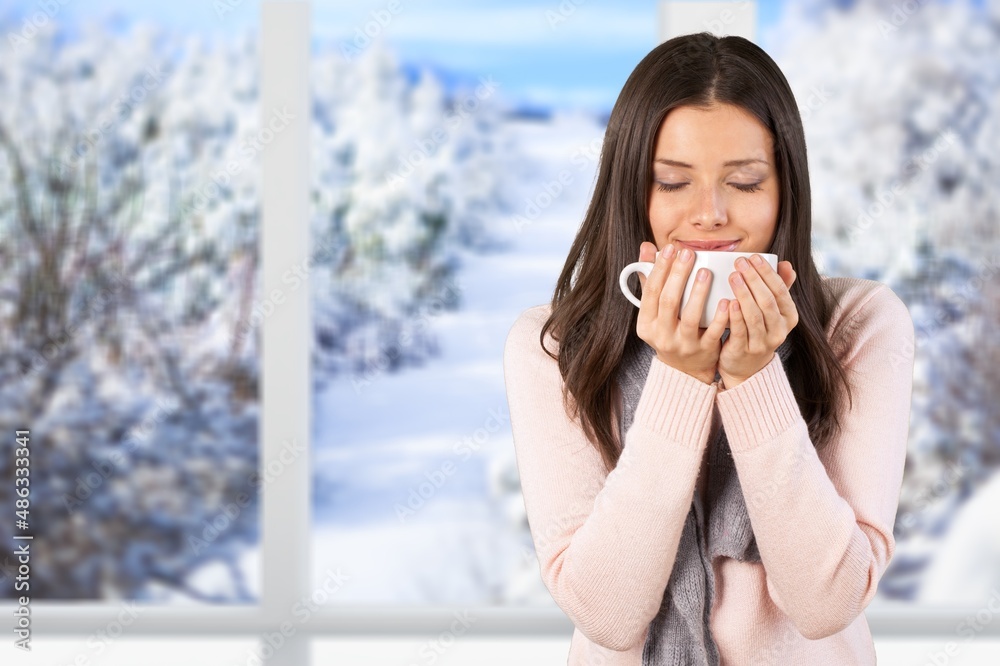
(465, 541)
(130, 267)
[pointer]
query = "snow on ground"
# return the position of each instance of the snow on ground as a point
(444, 424)
(966, 567)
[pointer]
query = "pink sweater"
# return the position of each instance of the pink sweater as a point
(823, 521)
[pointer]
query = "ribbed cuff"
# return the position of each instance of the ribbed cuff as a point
(676, 405)
(758, 409)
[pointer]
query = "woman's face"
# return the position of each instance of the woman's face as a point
(714, 180)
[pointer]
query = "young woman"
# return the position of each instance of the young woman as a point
(721, 495)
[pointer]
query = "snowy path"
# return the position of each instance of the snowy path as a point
(445, 416)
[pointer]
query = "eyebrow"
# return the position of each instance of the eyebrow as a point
(685, 165)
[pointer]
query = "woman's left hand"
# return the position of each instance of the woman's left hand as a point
(760, 318)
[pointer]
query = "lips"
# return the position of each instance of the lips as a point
(717, 245)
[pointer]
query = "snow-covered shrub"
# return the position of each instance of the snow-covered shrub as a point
(127, 263)
(405, 177)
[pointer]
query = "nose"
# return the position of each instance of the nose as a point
(710, 209)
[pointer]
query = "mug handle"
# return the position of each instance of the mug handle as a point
(644, 267)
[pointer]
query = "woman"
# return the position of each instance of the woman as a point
(697, 496)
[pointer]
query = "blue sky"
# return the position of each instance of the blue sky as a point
(581, 62)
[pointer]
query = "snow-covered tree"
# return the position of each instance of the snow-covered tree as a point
(899, 113)
(406, 175)
(126, 263)
(901, 107)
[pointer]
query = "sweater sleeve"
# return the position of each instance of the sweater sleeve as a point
(606, 542)
(823, 520)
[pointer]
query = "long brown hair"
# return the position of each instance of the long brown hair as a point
(591, 321)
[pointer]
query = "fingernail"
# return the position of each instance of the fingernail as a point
(685, 254)
(737, 278)
(702, 274)
(756, 260)
(667, 251)
(742, 264)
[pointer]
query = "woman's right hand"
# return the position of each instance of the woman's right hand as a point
(677, 340)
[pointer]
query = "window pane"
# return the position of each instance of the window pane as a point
(128, 233)
(902, 193)
(418, 163)
(447, 192)
(410, 316)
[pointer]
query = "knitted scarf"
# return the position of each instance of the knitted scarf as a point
(679, 635)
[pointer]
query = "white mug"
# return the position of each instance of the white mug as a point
(721, 264)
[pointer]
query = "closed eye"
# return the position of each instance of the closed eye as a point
(672, 187)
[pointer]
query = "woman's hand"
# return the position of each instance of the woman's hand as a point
(678, 341)
(759, 319)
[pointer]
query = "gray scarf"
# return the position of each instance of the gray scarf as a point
(679, 635)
